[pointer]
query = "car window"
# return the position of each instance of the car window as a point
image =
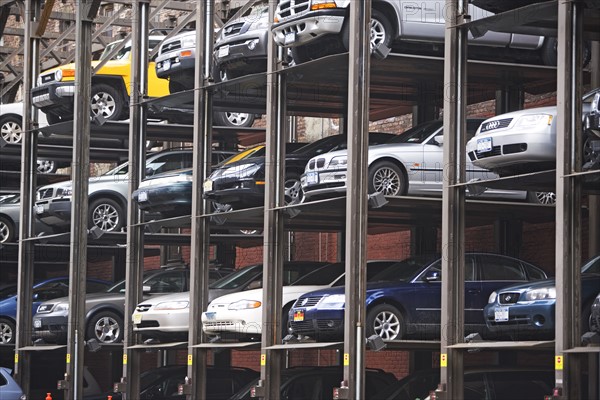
(3, 380)
(418, 134)
(8, 291)
(534, 273)
(95, 287)
(404, 270)
(322, 276)
(293, 272)
(170, 162)
(501, 269)
(170, 282)
(592, 266)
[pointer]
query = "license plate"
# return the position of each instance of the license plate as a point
(137, 318)
(223, 51)
(501, 314)
(39, 209)
(208, 184)
(37, 323)
(299, 316)
(312, 178)
(484, 145)
(289, 38)
(166, 65)
(143, 196)
(210, 315)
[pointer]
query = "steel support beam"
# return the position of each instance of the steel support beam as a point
(28, 185)
(453, 201)
(568, 198)
(271, 361)
(134, 267)
(200, 246)
(357, 199)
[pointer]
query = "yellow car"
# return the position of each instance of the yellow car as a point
(111, 86)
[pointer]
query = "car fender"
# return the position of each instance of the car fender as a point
(110, 194)
(103, 307)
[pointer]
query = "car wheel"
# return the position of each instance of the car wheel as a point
(591, 158)
(46, 166)
(223, 208)
(549, 52)
(7, 230)
(107, 215)
(300, 54)
(285, 317)
(107, 102)
(176, 86)
(385, 321)
(385, 177)
(381, 31)
(7, 331)
(234, 119)
(293, 193)
(547, 198)
(10, 129)
(106, 327)
(53, 119)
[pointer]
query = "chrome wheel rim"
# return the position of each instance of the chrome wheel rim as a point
(378, 35)
(45, 166)
(548, 198)
(386, 325)
(103, 104)
(4, 232)
(236, 118)
(105, 217)
(107, 330)
(293, 193)
(11, 132)
(386, 181)
(6, 333)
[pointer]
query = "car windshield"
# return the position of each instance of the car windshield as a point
(404, 270)
(322, 276)
(125, 51)
(418, 134)
(592, 266)
(237, 278)
(8, 291)
(119, 287)
(321, 146)
(10, 199)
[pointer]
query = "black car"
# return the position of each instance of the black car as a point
(595, 315)
(240, 183)
(163, 383)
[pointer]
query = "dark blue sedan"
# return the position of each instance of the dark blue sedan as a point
(405, 301)
(42, 291)
(527, 311)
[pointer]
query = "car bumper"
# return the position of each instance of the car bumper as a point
(241, 50)
(524, 320)
(327, 184)
(165, 198)
(308, 27)
(324, 325)
(52, 329)
(55, 97)
(55, 213)
(173, 63)
(172, 323)
(240, 192)
(242, 323)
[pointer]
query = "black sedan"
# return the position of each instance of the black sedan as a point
(241, 181)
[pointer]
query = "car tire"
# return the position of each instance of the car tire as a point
(293, 193)
(301, 54)
(7, 331)
(53, 119)
(223, 208)
(549, 52)
(106, 214)
(11, 129)
(7, 230)
(546, 198)
(106, 101)
(106, 327)
(590, 157)
(381, 31)
(386, 321)
(176, 86)
(285, 317)
(46, 166)
(387, 178)
(233, 119)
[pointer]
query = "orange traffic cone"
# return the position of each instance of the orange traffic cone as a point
(48, 396)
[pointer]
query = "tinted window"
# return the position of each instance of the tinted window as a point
(95, 287)
(238, 278)
(3, 381)
(534, 273)
(169, 282)
(501, 269)
(322, 276)
(51, 290)
(592, 266)
(322, 145)
(418, 134)
(403, 270)
(293, 272)
(170, 162)
(8, 292)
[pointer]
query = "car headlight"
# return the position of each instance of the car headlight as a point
(334, 302)
(242, 171)
(188, 41)
(45, 308)
(64, 192)
(172, 305)
(338, 162)
(492, 298)
(540, 294)
(531, 120)
(58, 75)
(38, 82)
(244, 305)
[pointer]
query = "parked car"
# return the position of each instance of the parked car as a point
(241, 182)
(239, 315)
(10, 208)
(409, 164)
(104, 310)
(42, 291)
(167, 317)
(163, 382)
(523, 141)
(9, 388)
(317, 383)
(486, 383)
(111, 85)
(107, 194)
(527, 310)
(594, 324)
(405, 301)
(314, 28)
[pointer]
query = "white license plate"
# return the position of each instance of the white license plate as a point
(210, 315)
(289, 38)
(501, 314)
(137, 318)
(37, 323)
(143, 196)
(223, 51)
(39, 209)
(166, 65)
(484, 145)
(208, 184)
(312, 178)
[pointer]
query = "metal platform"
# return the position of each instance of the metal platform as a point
(508, 345)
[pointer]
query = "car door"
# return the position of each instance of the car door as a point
(422, 20)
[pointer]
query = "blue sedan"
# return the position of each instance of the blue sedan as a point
(405, 301)
(527, 311)
(42, 291)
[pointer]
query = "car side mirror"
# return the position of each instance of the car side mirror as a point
(439, 139)
(149, 171)
(433, 276)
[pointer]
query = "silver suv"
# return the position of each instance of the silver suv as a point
(313, 28)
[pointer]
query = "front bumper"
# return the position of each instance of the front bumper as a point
(174, 63)
(525, 321)
(247, 52)
(54, 98)
(53, 329)
(320, 325)
(165, 199)
(324, 184)
(247, 193)
(162, 323)
(55, 212)
(308, 27)
(231, 323)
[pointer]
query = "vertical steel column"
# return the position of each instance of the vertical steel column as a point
(200, 246)
(28, 184)
(274, 240)
(134, 264)
(80, 173)
(568, 197)
(453, 200)
(357, 198)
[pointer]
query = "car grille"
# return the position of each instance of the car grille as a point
(496, 124)
(148, 324)
(508, 298)
(302, 327)
(328, 325)
(289, 8)
(233, 29)
(47, 78)
(223, 324)
(319, 163)
(174, 45)
(45, 193)
(307, 301)
(143, 307)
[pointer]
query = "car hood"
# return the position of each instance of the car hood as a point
(257, 294)
(184, 296)
(546, 283)
(114, 179)
(92, 298)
